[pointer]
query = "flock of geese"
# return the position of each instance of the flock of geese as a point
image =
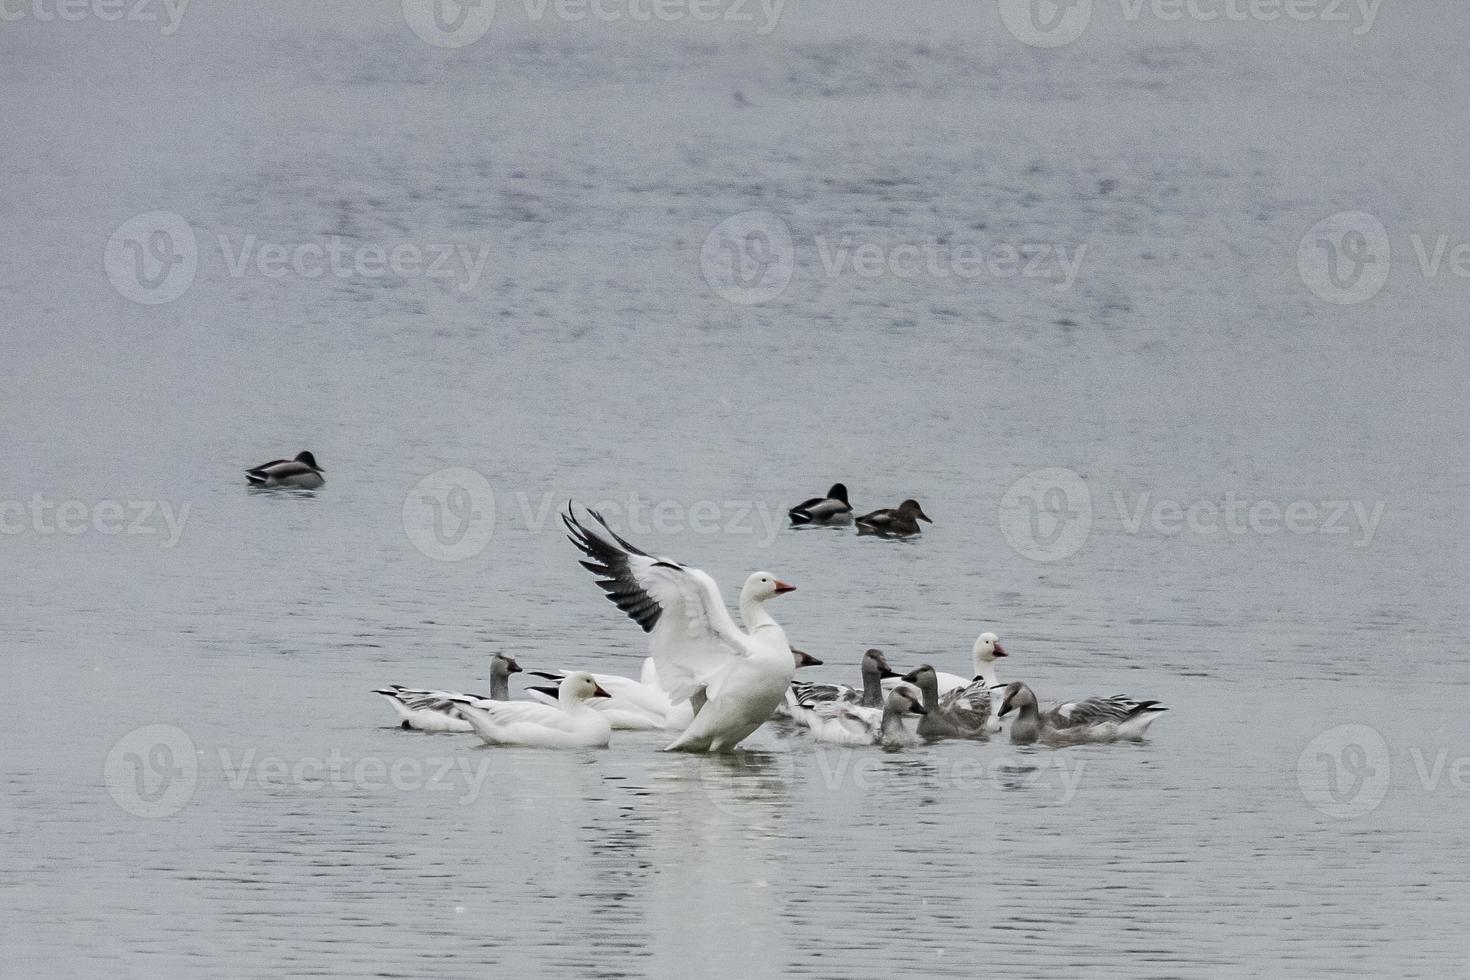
(710, 682)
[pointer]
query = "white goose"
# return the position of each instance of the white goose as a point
(426, 710)
(733, 679)
(572, 724)
(631, 705)
(1084, 720)
(846, 723)
(641, 705)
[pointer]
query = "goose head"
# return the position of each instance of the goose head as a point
(912, 509)
(1018, 697)
(503, 666)
(804, 659)
(579, 686)
(875, 663)
(904, 698)
(924, 678)
(987, 649)
(762, 586)
(838, 492)
(306, 457)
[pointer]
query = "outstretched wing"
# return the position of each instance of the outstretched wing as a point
(693, 641)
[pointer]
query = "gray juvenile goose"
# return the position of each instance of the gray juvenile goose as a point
(1084, 720)
(301, 473)
(875, 670)
(962, 713)
(894, 521)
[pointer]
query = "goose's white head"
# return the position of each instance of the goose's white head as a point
(762, 586)
(579, 686)
(987, 649)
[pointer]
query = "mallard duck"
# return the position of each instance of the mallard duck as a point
(831, 509)
(894, 521)
(301, 473)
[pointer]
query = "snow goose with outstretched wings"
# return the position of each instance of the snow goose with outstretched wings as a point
(733, 678)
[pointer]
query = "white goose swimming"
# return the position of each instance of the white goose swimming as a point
(631, 705)
(845, 723)
(571, 724)
(426, 710)
(301, 473)
(733, 679)
(1084, 720)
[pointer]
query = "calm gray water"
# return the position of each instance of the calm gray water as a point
(279, 825)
